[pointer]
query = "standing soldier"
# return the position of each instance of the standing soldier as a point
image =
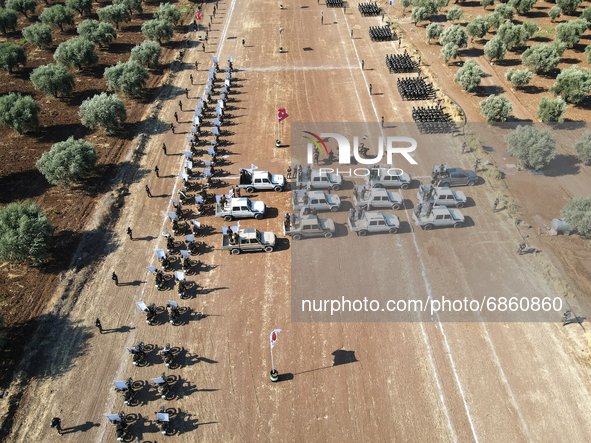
(164, 148)
(382, 121)
(129, 233)
(191, 78)
(362, 65)
(186, 95)
(176, 116)
(418, 208)
(288, 173)
(56, 423)
(476, 164)
(243, 43)
(316, 155)
(351, 33)
(463, 147)
(148, 191)
(99, 325)
(115, 279)
(181, 104)
(172, 127)
(370, 89)
(196, 66)
(156, 170)
(495, 204)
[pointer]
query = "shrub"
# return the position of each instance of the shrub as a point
(25, 233)
(38, 35)
(456, 35)
(52, 80)
(551, 110)
(577, 213)
(534, 148)
(20, 112)
(469, 75)
(11, 55)
(520, 78)
(145, 54)
(105, 111)
(496, 109)
(68, 161)
(554, 13)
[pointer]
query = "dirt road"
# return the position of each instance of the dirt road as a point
(353, 381)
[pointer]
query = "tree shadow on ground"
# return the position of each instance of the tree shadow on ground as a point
(567, 164)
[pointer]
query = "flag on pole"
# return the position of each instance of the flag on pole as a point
(273, 337)
(253, 166)
(282, 114)
(391, 3)
(280, 29)
(198, 15)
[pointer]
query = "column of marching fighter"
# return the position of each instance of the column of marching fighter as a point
(177, 253)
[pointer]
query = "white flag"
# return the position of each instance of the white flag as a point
(273, 337)
(391, 3)
(253, 166)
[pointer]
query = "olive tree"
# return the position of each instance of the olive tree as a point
(577, 213)
(534, 148)
(543, 58)
(8, 20)
(97, 32)
(495, 49)
(512, 35)
(76, 52)
(454, 14)
(38, 35)
(522, 6)
(11, 56)
(405, 4)
(551, 110)
(441, 4)
(146, 54)
(433, 31)
(505, 11)
(586, 15)
(169, 12)
(57, 15)
(496, 109)
(572, 84)
(569, 7)
(68, 162)
(519, 78)
(485, 3)
(82, 6)
(456, 35)
(588, 52)
(583, 148)
(25, 233)
(570, 32)
(493, 20)
(22, 6)
(158, 30)
(128, 78)
(554, 13)
(131, 5)
(20, 112)
(53, 80)
(105, 111)
(469, 75)
(114, 14)
(531, 28)
(449, 52)
(418, 14)
(477, 28)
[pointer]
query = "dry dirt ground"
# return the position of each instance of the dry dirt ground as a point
(411, 381)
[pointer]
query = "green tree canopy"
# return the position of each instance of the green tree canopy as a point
(570, 32)
(68, 161)
(418, 14)
(22, 6)
(20, 112)
(454, 14)
(583, 148)
(477, 28)
(577, 213)
(543, 58)
(82, 6)
(534, 148)
(128, 78)
(496, 109)
(53, 80)
(169, 12)
(105, 111)
(11, 56)
(495, 49)
(569, 7)
(573, 84)
(520, 78)
(25, 233)
(57, 15)
(554, 13)
(38, 35)
(469, 75)
(158, 30)
(8, 20)
(456, 35)
(449, 52)
(551, 110)
(114, 14)
(146, 54)
(97, 32)
(522, 6)
(76, 52)
(131, 5)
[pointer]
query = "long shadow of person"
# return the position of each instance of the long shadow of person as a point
(80, 428)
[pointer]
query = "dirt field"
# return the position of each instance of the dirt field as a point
(411, 381)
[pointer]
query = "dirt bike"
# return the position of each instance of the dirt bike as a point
(166, 355)
(182, 289)
(170, 244)
(128, 392)
(150, 314)
(164, 426)
(187, 264)
(163, 388)
(173, 314)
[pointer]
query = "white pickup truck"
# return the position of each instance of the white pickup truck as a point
(428, 217)
(260, 180)
(376, 198)
(314, 201)
(374, 222)
(231, 208)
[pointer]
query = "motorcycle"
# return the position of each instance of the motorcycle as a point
(187, 264)
(193, 248)
(127, 392)
(159, 280)
(166, 355)
(164, 426)
(173, 314)
(170, 244)
(185, 199)
(165, 263)
(120, 426)
(163, 388)
(182, 289)
(138, 353)
(150, 314)
(175, 227)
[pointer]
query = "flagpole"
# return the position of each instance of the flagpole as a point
(272, 364)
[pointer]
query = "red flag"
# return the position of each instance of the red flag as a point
(282, 114)
(273, 337)
(198, 15)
